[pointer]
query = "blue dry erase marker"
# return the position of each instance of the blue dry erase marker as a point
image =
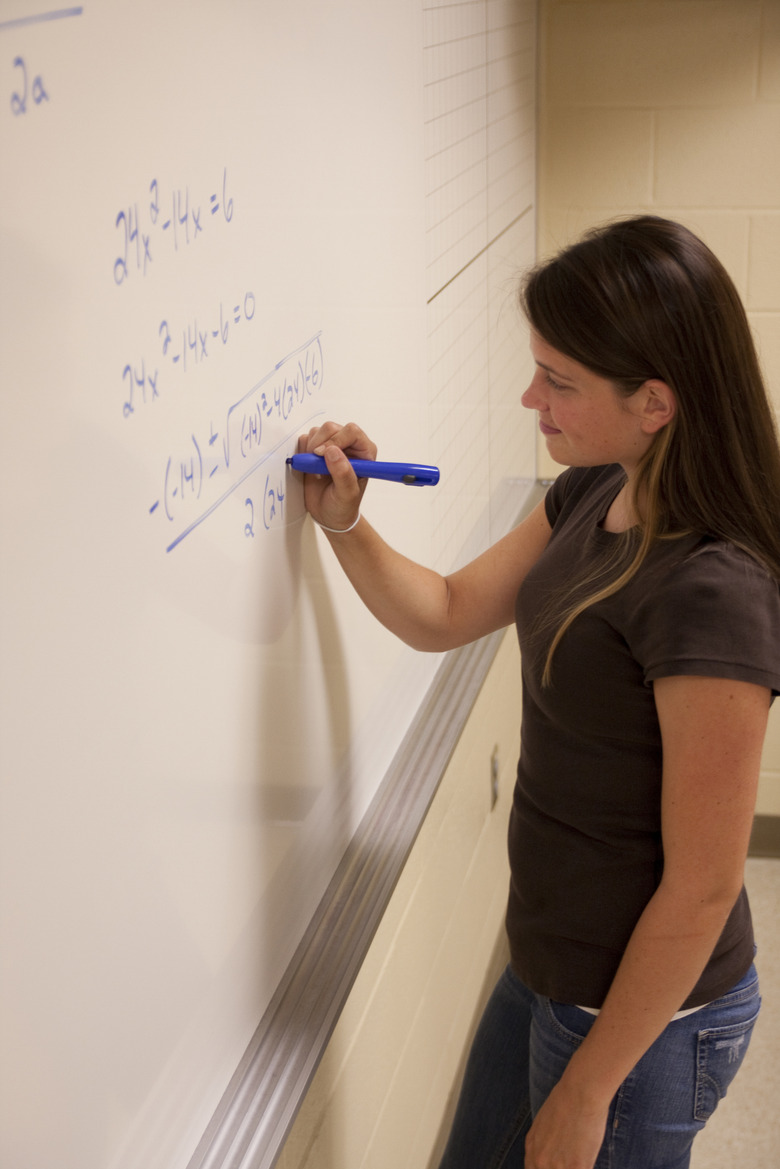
(410, 473)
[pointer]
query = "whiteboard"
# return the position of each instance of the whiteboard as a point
(219, 226)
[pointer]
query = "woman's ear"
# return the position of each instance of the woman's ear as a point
(658, 406)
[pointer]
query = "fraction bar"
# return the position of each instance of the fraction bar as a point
(41, 17)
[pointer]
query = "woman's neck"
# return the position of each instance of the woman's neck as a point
(622, 513)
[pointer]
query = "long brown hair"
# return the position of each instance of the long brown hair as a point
(644, 298)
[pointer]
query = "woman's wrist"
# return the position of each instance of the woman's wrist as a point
(339, 531)
(584, 1085)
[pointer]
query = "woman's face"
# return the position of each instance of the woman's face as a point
(584, 419)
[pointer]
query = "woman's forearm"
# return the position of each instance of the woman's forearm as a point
(434, 612)
(410, 600)
(425, 609)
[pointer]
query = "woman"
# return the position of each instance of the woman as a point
(645, 593)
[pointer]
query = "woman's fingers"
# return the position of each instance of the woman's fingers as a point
(350, 439)
(334, 500)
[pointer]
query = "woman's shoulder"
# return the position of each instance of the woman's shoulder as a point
(706, 606)
(576, 484)
(717, 565)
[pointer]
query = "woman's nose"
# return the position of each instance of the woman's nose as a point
(531, 398)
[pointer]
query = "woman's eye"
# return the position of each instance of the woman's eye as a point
(552, 382)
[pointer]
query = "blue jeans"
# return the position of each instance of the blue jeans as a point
(521, 1049)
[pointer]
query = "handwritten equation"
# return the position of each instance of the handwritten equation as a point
(165, 219)
(30, 88)
(183, 345)
(206, 471)
(271, 509)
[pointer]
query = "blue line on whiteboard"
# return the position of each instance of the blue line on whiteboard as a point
(217, 503)
(41, 18)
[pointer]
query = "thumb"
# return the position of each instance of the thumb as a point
(338, 464)
(347, 489)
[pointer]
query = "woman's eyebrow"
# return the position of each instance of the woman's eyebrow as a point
(550, 369)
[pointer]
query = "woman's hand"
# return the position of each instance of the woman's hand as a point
(566, 1133)
(335, 501)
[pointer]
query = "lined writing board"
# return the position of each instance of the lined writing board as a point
(221, 224)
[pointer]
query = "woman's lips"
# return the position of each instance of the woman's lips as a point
(546, 429)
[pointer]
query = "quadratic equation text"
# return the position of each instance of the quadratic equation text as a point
(170, 220)
(183, 344)
(207, 469)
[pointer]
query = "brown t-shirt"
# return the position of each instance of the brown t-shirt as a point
(585, 844)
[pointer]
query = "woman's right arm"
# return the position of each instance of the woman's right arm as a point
(425, 609)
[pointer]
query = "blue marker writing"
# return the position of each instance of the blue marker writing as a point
(410, 473)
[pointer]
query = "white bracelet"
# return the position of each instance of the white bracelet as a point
(339, 531)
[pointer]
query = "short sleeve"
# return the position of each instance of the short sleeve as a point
(555, 497)
(717, 614)
(570, 486)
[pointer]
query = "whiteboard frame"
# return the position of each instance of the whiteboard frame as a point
(257, 1110)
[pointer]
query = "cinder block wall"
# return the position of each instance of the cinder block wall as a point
(673, 107)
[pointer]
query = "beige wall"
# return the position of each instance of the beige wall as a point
(670, 106)
(380, 1093)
